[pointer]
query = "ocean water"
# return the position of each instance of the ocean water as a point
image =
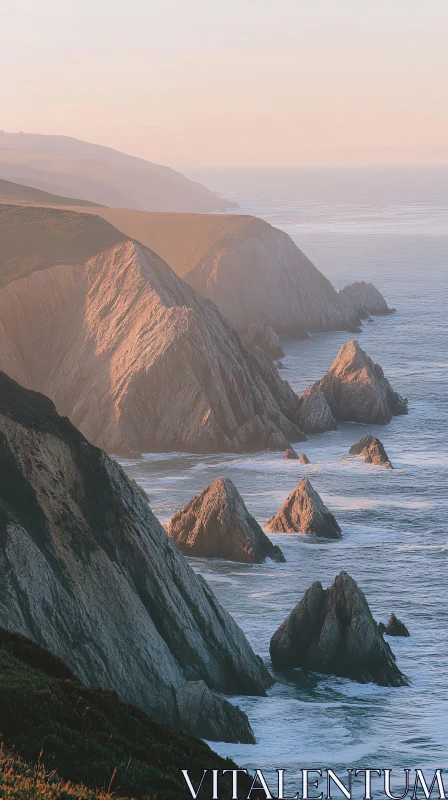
(392, 229)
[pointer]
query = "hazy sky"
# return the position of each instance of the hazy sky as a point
(237, 82)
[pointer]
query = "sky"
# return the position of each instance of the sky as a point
(234, 83)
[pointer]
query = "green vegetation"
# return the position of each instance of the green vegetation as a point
(85, 735)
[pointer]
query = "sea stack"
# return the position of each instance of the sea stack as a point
(357, 390)
(303, 458)
(372, 450)
(217, 524)
(304, 512)
(137, 359)
(365, 299)
(333, 631)
(314, 414)
(84, 559)
(290, 453)
(395, 627)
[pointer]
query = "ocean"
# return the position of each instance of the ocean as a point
(390, 227)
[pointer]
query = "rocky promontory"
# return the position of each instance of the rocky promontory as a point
(85, 562)
(333, 631)
(314, 414)
(304, 512)
(139, 361)
(365, 299)
(357, 390)
(372, 450)
(217, 524)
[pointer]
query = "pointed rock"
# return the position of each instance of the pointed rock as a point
(365, 299)
(217, 524)
(333, 631)
(357, 391)
(304, 512)
(395, 627)
(265, 337)
(87, 571)
(372, 450)
(304, 458)
(314, 414)
(290, 453)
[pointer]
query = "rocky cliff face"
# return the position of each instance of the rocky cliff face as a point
(139, 361)
(357, 390)
(365, 299)
(333, 631)
(304, 512)
(87, 571)
(217, 524)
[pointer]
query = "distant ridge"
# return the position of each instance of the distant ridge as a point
(67, 166)
(18, 193)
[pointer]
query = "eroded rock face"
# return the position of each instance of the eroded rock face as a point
(395, 627)
(87, 571)
(217, 524)
(333, 631)
(265, 337)
(372, 450)
(357, 390)
(314, 414)
(304, 512)
(365, 299)
(140, 362)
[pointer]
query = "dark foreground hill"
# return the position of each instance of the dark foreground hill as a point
(87, 735)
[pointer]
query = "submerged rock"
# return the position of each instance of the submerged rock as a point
(357, 390)
(365, 299)
(372, 451)
(265, 337)
(304, 512)
(395, 627)
(333, 631)
(87, 571)
(217, 524)
(314, 414)
(304, 458)
(290, 453)
(139, 361)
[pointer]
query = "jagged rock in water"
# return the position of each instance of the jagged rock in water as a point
(314, 414)
(333, 631)
(357, 390)
(138, 361)
(395, 627)
(290, 453)
(304, 458)
(365, 299)
(304, 512)
(372, 450)
(252, 271)
(88, 572)
(217, 524)
(265, 337)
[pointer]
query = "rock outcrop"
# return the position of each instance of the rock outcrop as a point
(217, 524)
(304, 458)
(357, 390)
(395, 627)
(372, 450)
(314, 414)
(252, 271)
(333, 631)
(265, 337)
(290, 453)
(365, 299)
(304, 512)
(88, 572)
(140, 362)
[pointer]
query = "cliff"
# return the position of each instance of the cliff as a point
(87, 572)
(139, 361)
(252, 271)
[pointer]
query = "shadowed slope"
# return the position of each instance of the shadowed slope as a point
(18, 194)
